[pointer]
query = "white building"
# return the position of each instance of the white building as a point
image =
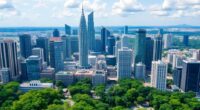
(34, 85)
(124, 63)
(140, 71)
(92, 60)
(159, 75)
(118, 46)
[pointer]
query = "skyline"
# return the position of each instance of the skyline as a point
(131, 12)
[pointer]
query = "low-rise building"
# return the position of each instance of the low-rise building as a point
(99, 78)
(48, 73)
(65, 77)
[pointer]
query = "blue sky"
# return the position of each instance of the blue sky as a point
(107, 12)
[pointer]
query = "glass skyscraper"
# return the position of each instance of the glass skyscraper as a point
(104, 36)
(91, 31)
(43, 42)
(158, 47)
(25, 45)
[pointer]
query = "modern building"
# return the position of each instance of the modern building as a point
(110, 45)
(43, 42)
(149, 53)
(56, 54)
(158, 47)
(104, 37)
(159, 75)
(91, 31)
(67, 29)
(140, 46)
(118, 45)
(83, 74)
(8, 57)
(83, 43)
(92, 60)
(140, 71)
(124, 63)
(66, 47)
(74, 44)
(167, 41)
(24, 75)
(101, 65)
(38, 52)
(34, 67)
(48, 73)
(25, 45)
(125, 29)
(111, 60)
(34, 85)
(190, 79)
(177, 74)
(186, 40)
(4, 75)
(67, 78)
(56, 33)
(99, 78)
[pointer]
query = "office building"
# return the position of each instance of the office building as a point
(67, 78)
(38, 52)
(56, 33)
(92, 60)
(74, 44)
(125, 29)
(4, 75)
(111, 60)
(118, 45)
(8, 57)
(158, 47)
(149, 53)
(91, 32)
(124, 63)
(34, 67)
(43, 42)
(110, 46)
(25, 45)
(159, 75)
(56, 54)
(101, 65)
(99, 78)
(140, 46)
(67, 29)
(83, 74)
(24, 75)
(186, 40)
(190, 79)
(104, 37)
(83, 43)
(66, 47)
(177, 73)
(140, 71)
(48, 73)
(167, 41)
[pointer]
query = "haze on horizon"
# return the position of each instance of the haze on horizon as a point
(107, 12)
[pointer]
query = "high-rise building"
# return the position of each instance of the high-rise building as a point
(198, 55)
(159, 75)
(140, 46)
(125, 29)
(56, 54)
(24, 75)
(104, 36)
(38, 52)
(66, 46)
(124, 63)
(111, 44)
(56, 33)
(4, 75)
(8, 57)
(91, 31)
(25, 45)
(177, 73)
(83, 43)
(167, 41)
(186, 40)
(190, 79)
(74, 44)
(158, 47)
(118, 45)
(34, 67)
(67, 29)
(43, 42)
(140, 71)
(149, 53)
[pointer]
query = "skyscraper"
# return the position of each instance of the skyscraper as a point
(190, 79)
(104, 36)
(34, 67)
(43, 42)
(83, 43)
(8, 57)
(140, 71)
(25, 45)
(186, 40)
(159, 75)
(56, 54)
(38, 52)
(140, 46)
(66, 46)
(149, 53)
(111, 44)
(56, 33)
(124, 63)
(125, 29)
(67, 29)
(167, 41)
(158, 46)
(91, 31)
(177, 74)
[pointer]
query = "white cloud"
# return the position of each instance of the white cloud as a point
(40, 4)
(72, 3)
(126, 7)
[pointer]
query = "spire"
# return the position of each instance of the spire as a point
(82, 8)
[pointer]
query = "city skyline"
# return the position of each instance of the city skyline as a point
(107, 13)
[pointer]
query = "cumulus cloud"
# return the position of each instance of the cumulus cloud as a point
(72, 3)
(126, 7)
(176, 8)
